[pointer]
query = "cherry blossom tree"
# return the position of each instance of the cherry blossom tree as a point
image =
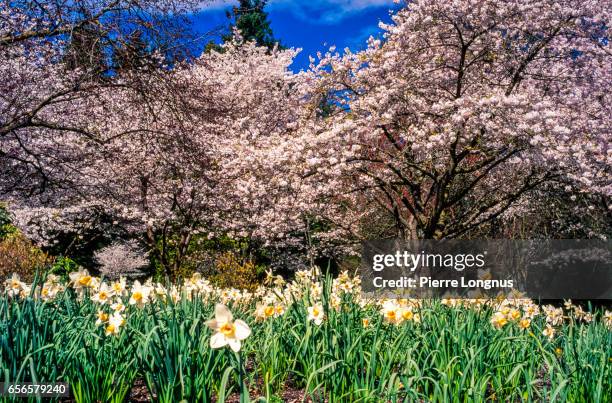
(54, 52)
(463, 112)
(205, 162)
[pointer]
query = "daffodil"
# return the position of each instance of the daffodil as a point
(499, 320)
(407, 314)
(514, 314)
(263, 311)
(81, 279)
(279, 310)
(549, 332)
(118, 306)
(335, 301)
(531, 310)
(103, 295)
(554, 316)
(102, 318)
(227, 331)
(315, 314)
(391, 312)
(118, 287)
(607, 319)
(115, 322)
(175, 294)
(14, 286)
(140, 294)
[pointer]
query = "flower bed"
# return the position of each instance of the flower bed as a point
(314, 337)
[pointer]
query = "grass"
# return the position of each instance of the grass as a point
(436, 353)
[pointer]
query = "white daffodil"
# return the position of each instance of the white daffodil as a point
(140, 294)
(102, 318)
(407, 313)
(264, 311)
(81, 279)
(554, 316)
(531, 310)
(175, 294)
(227, 331)
(14, 286)
(549, 332)
(315, 314)
(118, 306)
(524, 323)
(607, 319)
(118, 287)
(52, 279)
(391, 312)
(51, 288)
(499, 319)
(103, 295)
(115, 322)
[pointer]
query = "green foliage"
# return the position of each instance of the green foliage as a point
(252, 21)
(63, 266)
(176, 360)
(5, 223)
(453, 354)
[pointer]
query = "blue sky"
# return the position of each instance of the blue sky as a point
(313, 25)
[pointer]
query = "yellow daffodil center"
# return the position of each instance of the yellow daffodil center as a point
(228, 329)
(110, 328)
(269, 311)
(137, 296)
(85, 280)
(500, 321)
(407, 315)
(315, 312)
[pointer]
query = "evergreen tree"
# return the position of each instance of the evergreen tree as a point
(250, 18)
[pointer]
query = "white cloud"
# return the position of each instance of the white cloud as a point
(317, 11)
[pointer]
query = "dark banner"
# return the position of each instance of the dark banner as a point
(538, 269)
